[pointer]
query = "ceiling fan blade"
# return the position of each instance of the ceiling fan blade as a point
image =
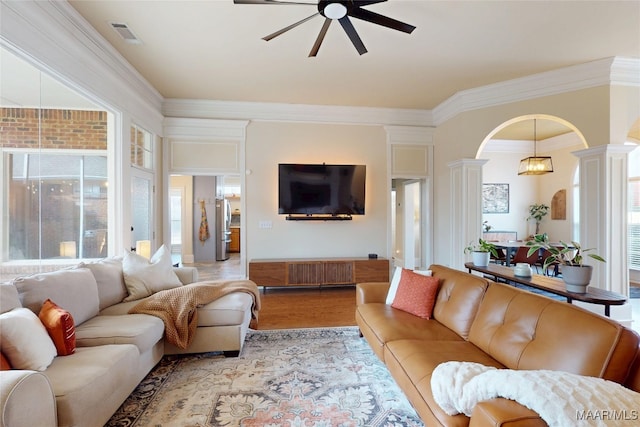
(285, 29)
(353, 35)
(323, 31)
(376, 18)
(360, 3)
(279, 2)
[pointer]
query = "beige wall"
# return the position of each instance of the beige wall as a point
(268, 144)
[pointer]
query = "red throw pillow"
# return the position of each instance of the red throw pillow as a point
(4, 363)
(60, 326)
(416, 294)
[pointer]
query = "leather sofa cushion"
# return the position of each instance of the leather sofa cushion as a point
(141, 330)
(526, 331)
(411, 363)
(75, 290)
(384, 324)
(458, 299)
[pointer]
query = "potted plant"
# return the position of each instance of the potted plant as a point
(481, 252)
(537, 212)
(575, 273)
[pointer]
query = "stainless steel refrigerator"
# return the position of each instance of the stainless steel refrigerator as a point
(223, 229)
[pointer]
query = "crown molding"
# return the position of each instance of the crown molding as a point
(58, 39)
(568, 140)
(204, 128)
(614, 70)
(263, 111)
(625, 71)
(55, 38)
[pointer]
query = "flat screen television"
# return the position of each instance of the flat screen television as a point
(321, 189)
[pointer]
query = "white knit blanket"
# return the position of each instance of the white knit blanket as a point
(560, 398)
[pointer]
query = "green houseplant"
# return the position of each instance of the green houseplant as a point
(575, 273)
(481, 252)
(537, 212)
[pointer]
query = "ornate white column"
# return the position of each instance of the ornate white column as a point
(603, 217)
(466, 206)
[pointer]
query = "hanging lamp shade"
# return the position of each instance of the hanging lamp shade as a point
(535, 165)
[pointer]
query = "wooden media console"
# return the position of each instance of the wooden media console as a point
(318, 271)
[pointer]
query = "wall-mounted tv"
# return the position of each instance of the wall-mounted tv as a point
(321, 189)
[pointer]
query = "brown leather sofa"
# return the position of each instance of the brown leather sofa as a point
(477, 320)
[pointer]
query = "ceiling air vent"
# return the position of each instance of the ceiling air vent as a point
(125, 32)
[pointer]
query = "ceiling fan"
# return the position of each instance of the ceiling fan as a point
(339, 10)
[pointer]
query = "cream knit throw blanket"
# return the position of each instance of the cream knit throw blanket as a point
(177, 307)
(560, 398)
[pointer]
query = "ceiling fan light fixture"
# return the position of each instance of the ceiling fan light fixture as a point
(335, 11)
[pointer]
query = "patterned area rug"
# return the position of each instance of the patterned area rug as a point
(296, 377)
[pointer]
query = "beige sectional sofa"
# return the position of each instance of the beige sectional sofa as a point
(115, 350)
(496, 325)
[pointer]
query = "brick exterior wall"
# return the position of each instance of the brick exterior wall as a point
(43, 215)
(61, 129)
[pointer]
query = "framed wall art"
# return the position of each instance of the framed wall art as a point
(495, 198)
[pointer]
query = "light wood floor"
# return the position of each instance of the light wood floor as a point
(291, 307)
(307, 307)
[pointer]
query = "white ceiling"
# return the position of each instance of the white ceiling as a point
(213, 49)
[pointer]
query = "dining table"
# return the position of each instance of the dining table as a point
(510, 248)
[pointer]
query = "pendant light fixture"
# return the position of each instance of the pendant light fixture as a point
(535, 165)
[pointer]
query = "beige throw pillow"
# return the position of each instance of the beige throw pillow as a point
(24, 340)
(110, 280)
(145, 277)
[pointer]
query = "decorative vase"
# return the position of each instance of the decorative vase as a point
(576, 277)
(522, 269)
(481, 259)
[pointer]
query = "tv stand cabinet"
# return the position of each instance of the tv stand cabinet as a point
(318, 271)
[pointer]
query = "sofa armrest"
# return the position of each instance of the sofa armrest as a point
(370, 292)
(186, 274)
(26, 400)
(633, 379)
(501, 412)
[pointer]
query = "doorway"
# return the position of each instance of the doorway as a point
(186, 193)
(408, 223)
(176, 215)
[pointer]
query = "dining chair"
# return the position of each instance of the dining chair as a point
(521, 256)
(501, 258)
(554, 266)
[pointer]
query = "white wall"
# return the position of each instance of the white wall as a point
(527, 190)
(268, 144)
(502, 168)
